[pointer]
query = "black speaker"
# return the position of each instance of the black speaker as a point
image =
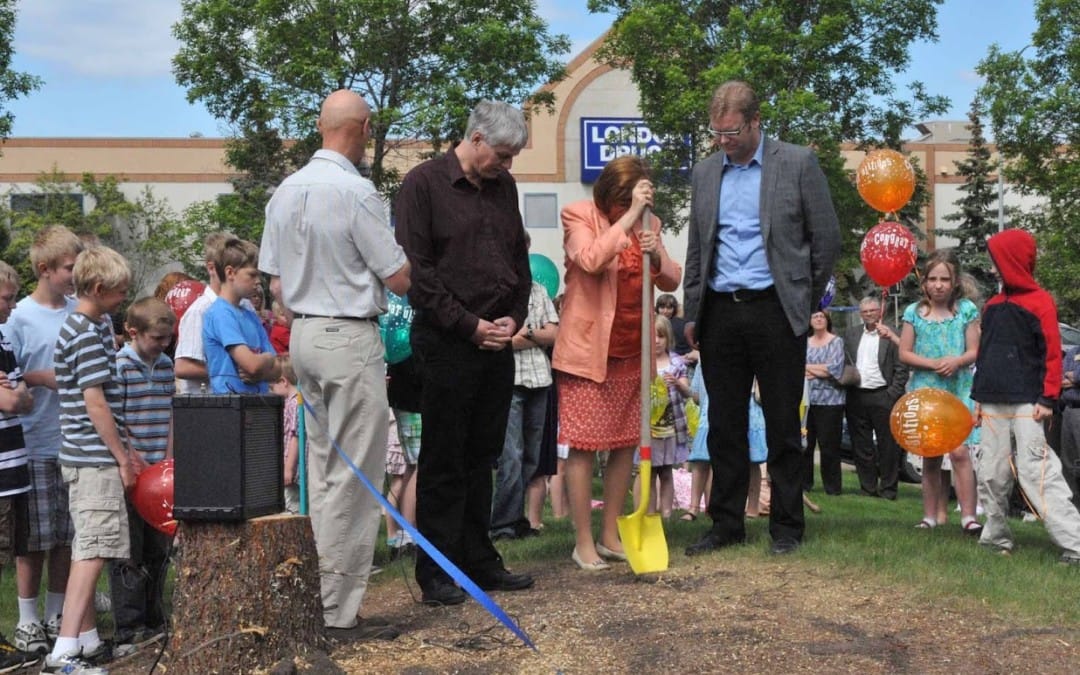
(229, 457)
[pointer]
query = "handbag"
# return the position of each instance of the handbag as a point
(850, 376)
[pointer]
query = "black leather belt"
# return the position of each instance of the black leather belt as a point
(747, 294)
(336, 318)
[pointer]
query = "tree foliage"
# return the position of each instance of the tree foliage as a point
(1033, 96)
(145, 230)
(977, 218)
(264, 66)
(12, 84)
(824, 71)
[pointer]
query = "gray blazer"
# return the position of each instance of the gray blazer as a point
(895, 373)
(798, 223)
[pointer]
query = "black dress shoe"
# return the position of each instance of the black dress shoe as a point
(710, 542)
(502, 580)
(437, 593)
(785, 545)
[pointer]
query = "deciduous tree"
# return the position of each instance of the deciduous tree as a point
(1033, 96)
(825, 70)
(13, 84)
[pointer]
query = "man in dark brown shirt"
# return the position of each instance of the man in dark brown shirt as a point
(458, 221)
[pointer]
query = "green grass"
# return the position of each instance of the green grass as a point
(868, 538)
(853, 537)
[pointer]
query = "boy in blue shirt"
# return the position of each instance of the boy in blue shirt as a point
(239, 357)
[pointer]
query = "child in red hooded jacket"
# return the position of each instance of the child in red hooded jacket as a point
(1017, 383)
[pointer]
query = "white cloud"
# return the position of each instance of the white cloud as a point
(99, 38)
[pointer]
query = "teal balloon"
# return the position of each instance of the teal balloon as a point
(395, 326)
(545, 273)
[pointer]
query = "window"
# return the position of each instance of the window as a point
(542, 210)
(44, 203)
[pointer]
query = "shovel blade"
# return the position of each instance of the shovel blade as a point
(642, 534)
(644, 542)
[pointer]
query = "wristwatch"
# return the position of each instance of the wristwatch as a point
(529, 333)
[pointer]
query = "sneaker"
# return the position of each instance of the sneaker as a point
(70, 664)
(52, 629)
(31, 637)
(12, 659)
(1068, 560)
(103, 653)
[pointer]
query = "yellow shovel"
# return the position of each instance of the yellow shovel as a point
(642, 534)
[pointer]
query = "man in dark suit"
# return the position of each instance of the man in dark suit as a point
(874, 348)
(762, 243)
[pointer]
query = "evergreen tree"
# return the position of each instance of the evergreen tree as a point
(977, 218)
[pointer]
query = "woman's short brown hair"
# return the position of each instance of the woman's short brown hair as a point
(615, 186)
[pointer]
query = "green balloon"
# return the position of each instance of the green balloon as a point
(395, 326)
(545, 273)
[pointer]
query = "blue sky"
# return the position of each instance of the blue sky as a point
(106, 63)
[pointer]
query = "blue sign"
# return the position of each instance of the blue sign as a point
(605, 138)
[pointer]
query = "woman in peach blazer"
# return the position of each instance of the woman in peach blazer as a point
(597, 355)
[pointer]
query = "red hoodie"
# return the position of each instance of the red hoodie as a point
(1019, 357)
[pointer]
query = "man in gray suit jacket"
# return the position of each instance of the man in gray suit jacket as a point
(874, 348)
(762, 243)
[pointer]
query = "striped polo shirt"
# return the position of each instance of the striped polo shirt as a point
(85, 357)
(148, 392)
(14, 472)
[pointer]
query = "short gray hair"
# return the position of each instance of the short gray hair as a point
(499, 124)
(870, 300)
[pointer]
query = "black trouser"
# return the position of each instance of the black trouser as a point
(137, 585)
(741, 341)
(824, 427)
(878, 465)
(464, 404)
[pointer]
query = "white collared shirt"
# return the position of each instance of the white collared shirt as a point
(870, 375)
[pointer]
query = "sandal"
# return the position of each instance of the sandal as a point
(688, 516)
(972, 527)
(926, 524)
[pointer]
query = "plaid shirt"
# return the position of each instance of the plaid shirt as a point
(532, 369)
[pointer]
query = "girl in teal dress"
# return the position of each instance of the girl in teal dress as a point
(939, 341)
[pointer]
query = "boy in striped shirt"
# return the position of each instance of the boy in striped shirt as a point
(15, 399)
(95, 458)
(137, 584)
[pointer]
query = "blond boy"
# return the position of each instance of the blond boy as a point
(32, 329)
(96, 460)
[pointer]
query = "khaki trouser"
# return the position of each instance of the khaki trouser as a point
(339, 367)
(1038, 470)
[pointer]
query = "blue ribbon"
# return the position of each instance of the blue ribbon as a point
(450, 568)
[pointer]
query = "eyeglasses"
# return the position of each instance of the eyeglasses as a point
(729, 133)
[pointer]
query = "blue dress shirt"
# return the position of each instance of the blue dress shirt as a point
(740, 260)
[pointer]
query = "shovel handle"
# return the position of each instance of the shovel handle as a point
(646, 336)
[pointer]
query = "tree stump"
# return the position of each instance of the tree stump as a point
(247, 595)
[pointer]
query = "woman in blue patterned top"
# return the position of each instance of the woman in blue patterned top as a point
(940, 340)
(825, 415)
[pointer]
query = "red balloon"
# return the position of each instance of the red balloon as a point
(888, 253)
(180, 297)
(153, 496)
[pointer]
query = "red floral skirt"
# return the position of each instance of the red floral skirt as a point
(601, 416)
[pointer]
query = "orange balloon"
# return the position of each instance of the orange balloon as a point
(885, 180)
(930, 422)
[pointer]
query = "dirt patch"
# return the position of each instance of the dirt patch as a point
(711, 614)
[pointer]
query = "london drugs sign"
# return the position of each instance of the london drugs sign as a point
(605, 138)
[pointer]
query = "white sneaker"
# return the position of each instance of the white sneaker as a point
(52, 628)
(70, 664)
(31, 637)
